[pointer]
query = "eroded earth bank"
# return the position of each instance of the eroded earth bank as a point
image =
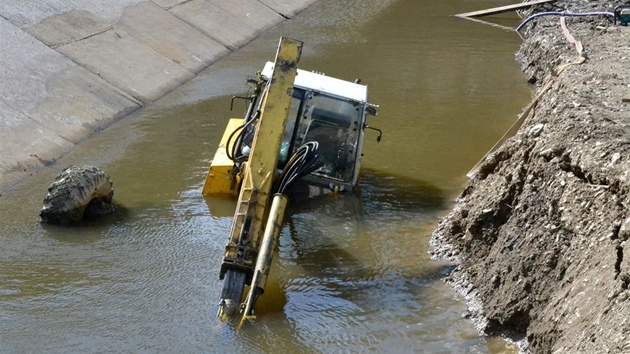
(540, 234)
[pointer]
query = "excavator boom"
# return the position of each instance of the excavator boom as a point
(241, 251)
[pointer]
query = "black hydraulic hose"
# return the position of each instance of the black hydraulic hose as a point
(304, 161)
(240, 130)
(227, 146)
(239, 142)
(563, 13)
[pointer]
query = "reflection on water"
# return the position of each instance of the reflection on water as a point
(352, 272)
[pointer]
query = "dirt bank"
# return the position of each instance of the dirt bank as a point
(540, 233)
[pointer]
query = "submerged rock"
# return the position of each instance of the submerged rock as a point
(79, 191)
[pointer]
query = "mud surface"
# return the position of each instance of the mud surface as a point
(539, 236)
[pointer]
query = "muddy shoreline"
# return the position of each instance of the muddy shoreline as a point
(539, 234)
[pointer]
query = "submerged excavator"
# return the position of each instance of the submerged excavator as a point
(300, 127)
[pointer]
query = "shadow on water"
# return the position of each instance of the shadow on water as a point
(332, 234)
(89, 228)
(376, 190)
(402, 192)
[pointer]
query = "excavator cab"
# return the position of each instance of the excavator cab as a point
(331, 112)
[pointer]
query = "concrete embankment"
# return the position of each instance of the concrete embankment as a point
(541, 234)
(70, 69)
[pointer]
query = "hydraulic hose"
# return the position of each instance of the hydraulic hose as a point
(241, 130)
(565, 14)
(304, 161)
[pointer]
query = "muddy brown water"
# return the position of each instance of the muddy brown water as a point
(352, 273)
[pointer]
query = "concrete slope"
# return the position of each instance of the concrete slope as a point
(71, 68)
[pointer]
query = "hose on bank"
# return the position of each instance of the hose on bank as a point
(563, 14)
(523, 116)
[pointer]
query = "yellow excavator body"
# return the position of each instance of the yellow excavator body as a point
(220, 178)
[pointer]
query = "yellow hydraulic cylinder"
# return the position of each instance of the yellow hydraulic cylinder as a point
(265, 253)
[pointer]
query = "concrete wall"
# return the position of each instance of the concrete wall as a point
(70, 68)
